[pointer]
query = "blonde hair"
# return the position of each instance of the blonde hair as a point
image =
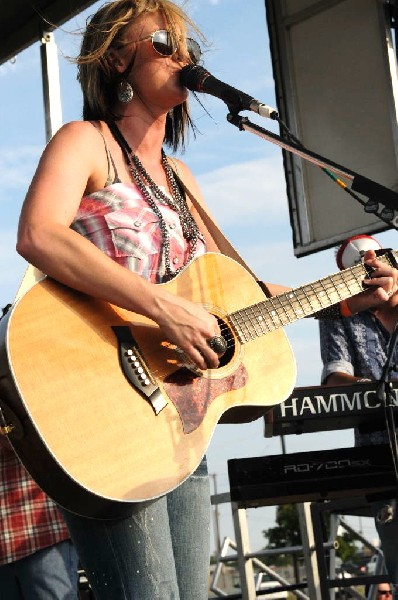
(98, 80)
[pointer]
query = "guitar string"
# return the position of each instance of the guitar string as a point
(247, 323)
(348, 283)
(280, 317)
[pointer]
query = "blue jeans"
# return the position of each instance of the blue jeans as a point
(386, 520)
(48, 574)
(161, 552)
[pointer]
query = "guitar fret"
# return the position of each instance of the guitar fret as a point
(255, 322)
(351, 282)
(300, 311)
(315, 296)
(241, 325)
(329, 291)
(325, 293)
(284, 317)
(261, 323)
(300, 303)
(273, 314)
(320, 291)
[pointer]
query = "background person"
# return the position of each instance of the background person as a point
(37, 558)
(384, 591)
(354, 349)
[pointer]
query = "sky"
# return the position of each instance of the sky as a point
(242, 179)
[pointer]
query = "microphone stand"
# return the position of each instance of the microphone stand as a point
(377, 194)
(385, 396)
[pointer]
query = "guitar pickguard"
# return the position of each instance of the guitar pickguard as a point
(192, 395)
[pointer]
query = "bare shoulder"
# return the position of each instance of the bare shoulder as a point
(79, 151)
(74, 160)
(75, 132)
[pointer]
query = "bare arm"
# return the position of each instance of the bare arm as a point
(64, 173)
(74, 163)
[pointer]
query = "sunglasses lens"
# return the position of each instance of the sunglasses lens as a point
(162, 43)
(194, 50)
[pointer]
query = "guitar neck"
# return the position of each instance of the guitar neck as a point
(278, 311)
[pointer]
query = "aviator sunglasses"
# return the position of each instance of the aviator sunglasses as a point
(163, 45)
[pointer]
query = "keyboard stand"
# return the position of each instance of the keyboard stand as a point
(319, 554)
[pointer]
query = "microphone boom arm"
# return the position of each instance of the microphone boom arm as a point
(375, 192)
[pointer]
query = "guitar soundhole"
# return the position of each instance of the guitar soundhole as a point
(229, 338)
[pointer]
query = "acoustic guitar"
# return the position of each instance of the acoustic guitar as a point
(103, 411)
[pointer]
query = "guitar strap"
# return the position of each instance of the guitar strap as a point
(222, 242)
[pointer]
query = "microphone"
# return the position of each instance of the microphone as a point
(197, 79)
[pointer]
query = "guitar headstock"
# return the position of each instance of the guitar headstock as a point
(389, 255)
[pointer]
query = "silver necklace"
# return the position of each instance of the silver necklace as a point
(153, 194)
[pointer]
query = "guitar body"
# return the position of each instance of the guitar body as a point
(85, 433)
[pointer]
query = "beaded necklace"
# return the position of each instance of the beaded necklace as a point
(153, 195)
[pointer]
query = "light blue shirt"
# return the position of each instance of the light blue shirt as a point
(357, 346)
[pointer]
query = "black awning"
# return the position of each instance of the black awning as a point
(22, 22)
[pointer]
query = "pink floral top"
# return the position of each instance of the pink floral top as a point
(119, 222)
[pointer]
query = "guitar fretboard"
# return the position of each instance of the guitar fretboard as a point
(278, 311)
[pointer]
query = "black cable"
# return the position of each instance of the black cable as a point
(384, 393)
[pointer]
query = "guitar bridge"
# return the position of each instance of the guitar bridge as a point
(135, 369)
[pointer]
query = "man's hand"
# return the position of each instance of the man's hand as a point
(381, 285)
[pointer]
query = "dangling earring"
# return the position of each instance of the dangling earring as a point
(125, 92)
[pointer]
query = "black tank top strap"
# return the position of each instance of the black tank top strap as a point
(113, 176)
(120, 139)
